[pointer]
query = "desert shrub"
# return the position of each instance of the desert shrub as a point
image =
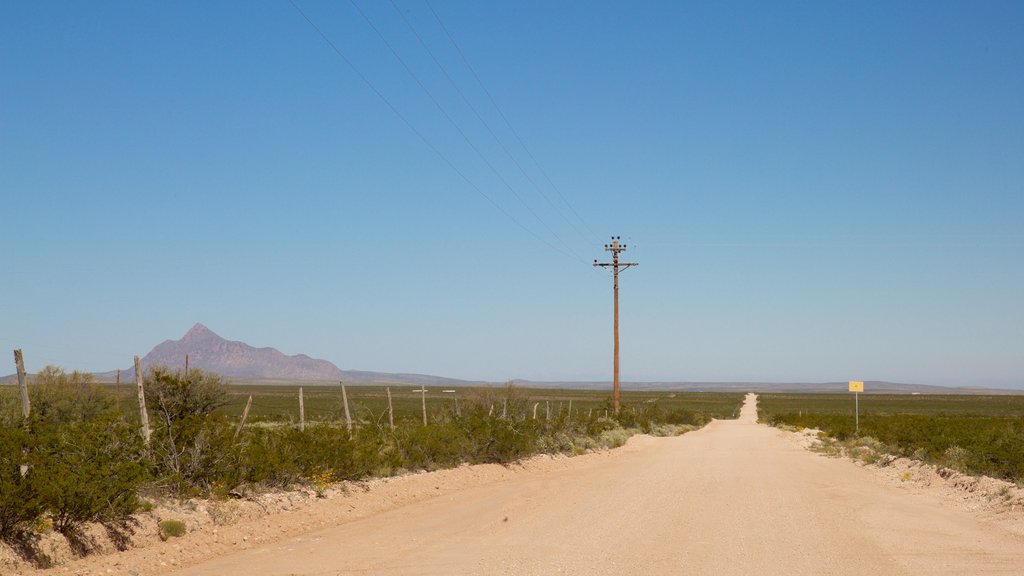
(88, 471)
(58, 397)
(194, 453)
(171, 529)
(192, 449)
(431, 447)
(177, 395)
(20, 501)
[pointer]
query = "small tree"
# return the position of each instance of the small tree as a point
(176, 395)
(191, 446)
(62, 398)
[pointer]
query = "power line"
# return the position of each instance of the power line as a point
(419, 134)
(484, 122)
(511, 128)
(458, 128)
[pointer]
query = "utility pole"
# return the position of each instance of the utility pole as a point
(615, 248)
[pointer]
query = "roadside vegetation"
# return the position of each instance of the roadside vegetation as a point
(980, 435)
(81, 458)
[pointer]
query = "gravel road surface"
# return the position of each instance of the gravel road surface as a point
(733, 498)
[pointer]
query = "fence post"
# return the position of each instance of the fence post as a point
(423, 397)
(535, 404)
(26, 404)
(245, 414)
(504, 408)
(143, 415)
(547, 410)
(570, 409)
(391, 410)
(117, 392)
(302, 412)
(348, 415)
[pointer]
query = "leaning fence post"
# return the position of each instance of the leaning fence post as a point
(143, 416)
(348, 415)
(26, 404)
(535, 404)
(245, 414)
(391, 410)
(302, 412)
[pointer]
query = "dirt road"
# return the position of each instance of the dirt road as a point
(733, 498)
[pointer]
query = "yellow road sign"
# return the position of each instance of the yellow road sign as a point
(856, 386)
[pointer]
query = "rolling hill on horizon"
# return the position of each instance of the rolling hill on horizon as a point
(237, 360)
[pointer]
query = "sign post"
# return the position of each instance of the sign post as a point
(856, 387)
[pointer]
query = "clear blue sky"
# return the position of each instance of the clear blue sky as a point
(815, 190)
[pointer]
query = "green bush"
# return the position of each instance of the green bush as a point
(171, 529)
(61, 398)
(20, 500)
(88, 471)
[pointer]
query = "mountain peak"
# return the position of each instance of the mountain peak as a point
(197, 331)
(208, 351)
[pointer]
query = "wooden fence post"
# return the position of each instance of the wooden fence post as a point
(535, 404)
(570, 408)
(143, 415)
(26, 404)
(547, 410)
(423, 396)
(245, 414)
(391, 410)
(117, 392)
(302, 412)
(504, 408)
(348, 415)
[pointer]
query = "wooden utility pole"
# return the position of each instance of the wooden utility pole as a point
(26, 404)
(615, 248)
(143, 415)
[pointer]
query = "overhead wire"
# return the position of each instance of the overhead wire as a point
(419, 134)
(480, 117)
(459, 129)
(511, 128)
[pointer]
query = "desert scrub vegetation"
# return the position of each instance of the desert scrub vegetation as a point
(981, 435)
(86, 461)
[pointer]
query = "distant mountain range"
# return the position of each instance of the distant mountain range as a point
(242, 363)
(238, 360)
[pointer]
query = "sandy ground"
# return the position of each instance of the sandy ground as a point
(733, 498)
